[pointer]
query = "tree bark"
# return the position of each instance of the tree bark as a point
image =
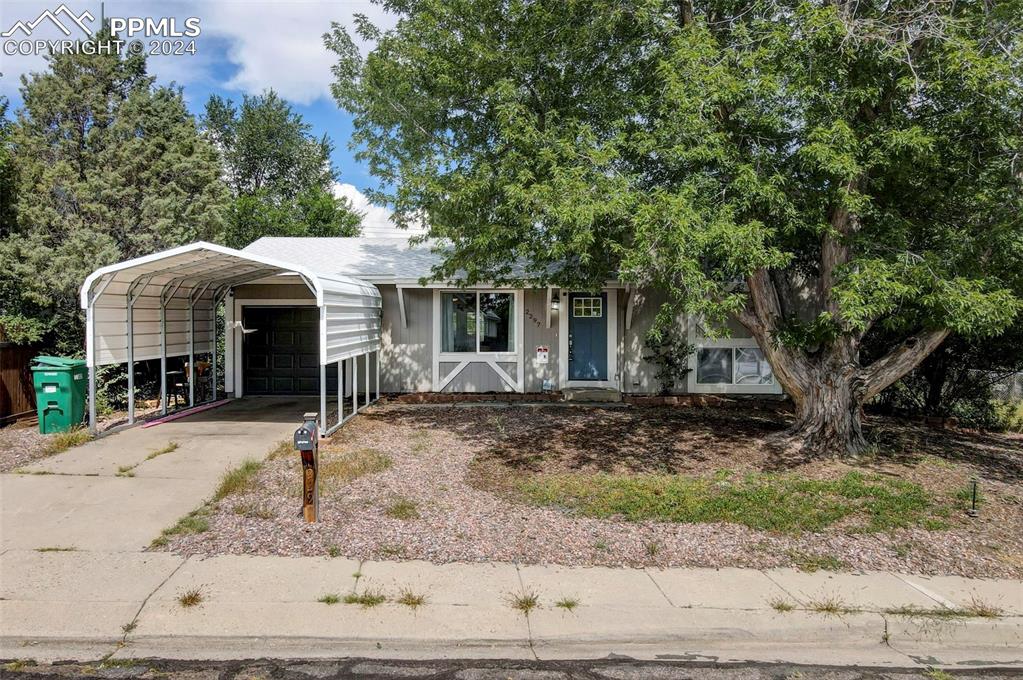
(828, 422)
(827, 385)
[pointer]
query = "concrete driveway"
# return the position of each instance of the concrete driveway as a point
(76, 499)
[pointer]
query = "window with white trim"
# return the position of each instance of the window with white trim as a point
(732, 366)
(587, 307)
(477, 322)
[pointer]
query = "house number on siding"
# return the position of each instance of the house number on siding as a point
(532, 318)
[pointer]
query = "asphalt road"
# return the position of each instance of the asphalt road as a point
(371, 669)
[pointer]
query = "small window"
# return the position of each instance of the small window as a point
(751, 367)
(714, 367)
(588, 307)
(732, 366)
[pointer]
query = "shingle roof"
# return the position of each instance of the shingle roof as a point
(371, 258)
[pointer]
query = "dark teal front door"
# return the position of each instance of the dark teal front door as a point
(587, 336)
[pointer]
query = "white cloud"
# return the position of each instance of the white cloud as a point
(274, 44)
(279, 44)
(376, 220)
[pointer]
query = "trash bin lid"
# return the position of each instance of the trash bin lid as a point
(59, 362)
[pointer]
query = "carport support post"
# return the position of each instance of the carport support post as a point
(90, 335)
(367, 378)
(163, 356)
(191, 351)
(340, 391)
(355, 385)
(378, 374)
(323, 398)
(213, 379)
(131, 358)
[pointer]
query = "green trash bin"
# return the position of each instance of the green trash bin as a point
(61, 386)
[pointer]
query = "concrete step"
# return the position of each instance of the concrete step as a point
(592, 394)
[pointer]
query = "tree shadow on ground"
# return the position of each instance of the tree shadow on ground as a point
(697, 440)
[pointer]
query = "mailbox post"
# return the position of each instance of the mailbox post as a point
(307, 441)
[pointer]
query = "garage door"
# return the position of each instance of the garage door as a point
(281, 355)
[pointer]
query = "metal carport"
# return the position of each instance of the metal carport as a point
(165, 304)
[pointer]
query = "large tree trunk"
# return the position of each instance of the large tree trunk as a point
(827, 385)
(828, 420)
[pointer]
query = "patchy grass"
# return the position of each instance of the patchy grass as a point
(781, 605)
(57, 548)
(567, 603)
(62, 441)
(18, 664)
(284, 449)
(975, 609)
(329, 598)
(772, 502)
(239, 480)
(366, 599)
(411, 599)
(337, 468)
(127, 470)
(829, 605)
(403, 508)
(812, 563)
(253, 511)
(420, 441)
(195, 522)
(191, 597)
(938, 674)
(334, 551)
(392, 551)
(170, 448)
(524, 602)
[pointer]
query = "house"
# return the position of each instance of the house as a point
(302, 312)
(442, 338)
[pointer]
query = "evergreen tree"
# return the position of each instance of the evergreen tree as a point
(107, 167)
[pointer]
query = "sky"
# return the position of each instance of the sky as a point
(244, 47)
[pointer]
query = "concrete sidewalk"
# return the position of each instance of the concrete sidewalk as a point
(87, 605)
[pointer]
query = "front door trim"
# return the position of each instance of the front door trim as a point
(612, 341)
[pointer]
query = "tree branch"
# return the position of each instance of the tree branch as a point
(900, 361)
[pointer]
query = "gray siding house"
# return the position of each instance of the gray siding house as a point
(443, 338)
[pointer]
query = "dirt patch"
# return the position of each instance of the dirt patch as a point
(463, 468)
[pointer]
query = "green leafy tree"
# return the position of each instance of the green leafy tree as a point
(106, 167)
(816, 169)
(279, 173)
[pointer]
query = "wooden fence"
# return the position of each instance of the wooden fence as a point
(17, 397)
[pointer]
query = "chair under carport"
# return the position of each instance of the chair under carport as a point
(165, 305)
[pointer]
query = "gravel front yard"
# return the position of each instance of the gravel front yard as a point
(445, 484)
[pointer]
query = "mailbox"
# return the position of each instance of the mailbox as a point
(307, 441)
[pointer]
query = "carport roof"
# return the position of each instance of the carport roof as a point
(207, 264)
